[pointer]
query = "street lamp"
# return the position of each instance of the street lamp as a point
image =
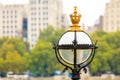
(75, 49)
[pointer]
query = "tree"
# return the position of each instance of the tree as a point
(106, 58)
(42, 60)
(12, 55)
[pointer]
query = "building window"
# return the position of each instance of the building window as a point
(7, 21)
(15, 11)
(7, 16)
(39, 13)
(43, 2)
(46, 13)
(32, 29)
(43, 24)
(3, 17)
(3, 21)
(47, 24)
(31, 13)
(11, 31)
(46, 8)
(35, 8)
(3, 32)
(43, 8)
(15, 26)
(11, 11)
(15, 21)
(43, 13)
(7, 26)
(7, 12)
(35, 19)
(3, 27)
(11, 21)
(31, 24)
(46, 2)
(31, 2)
(15, 16)
(16, 32)
(7, 31)
(46, 18)
(35, 13)
(35, 24)
(39, 24)
(43, 18)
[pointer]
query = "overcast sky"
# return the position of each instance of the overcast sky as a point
(89, 9)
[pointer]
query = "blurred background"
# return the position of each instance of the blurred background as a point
(28, 29)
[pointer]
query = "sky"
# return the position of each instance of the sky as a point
(89, 9)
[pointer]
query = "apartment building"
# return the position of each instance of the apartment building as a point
(111, 21)
(13, 21)
(41, 14)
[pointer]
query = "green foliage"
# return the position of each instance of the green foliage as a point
(106, 58)
(42, 60)
(12, 55)
(50, 34)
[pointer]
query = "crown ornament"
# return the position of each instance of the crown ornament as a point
(75, 19)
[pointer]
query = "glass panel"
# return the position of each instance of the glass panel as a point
(68, 55)
(68, 37)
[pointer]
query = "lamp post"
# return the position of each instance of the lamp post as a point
(75, 49)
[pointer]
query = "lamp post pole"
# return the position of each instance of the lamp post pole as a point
(75, 74)
(75, 49)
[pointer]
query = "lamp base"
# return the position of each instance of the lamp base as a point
(75, 75)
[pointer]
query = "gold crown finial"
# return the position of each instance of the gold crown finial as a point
(75, 9)
(75, 19)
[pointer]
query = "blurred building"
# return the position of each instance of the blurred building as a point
(41, 14)
(97, 26)
(13, 21)
(25, 21)
(65, 21)
(99, 23)
(112, 16)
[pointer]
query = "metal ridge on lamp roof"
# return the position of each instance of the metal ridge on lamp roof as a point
(75, 19)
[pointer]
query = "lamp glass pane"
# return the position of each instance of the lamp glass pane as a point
(68, 37)
(68, 54)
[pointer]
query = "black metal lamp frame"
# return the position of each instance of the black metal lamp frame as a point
(75, 68)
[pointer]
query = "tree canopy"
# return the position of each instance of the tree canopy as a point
(12, 55)
(42, 58)
(106, 58)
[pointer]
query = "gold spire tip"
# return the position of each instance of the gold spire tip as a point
(75, 9)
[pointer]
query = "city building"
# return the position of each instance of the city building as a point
(97, 26)
(111, 21)
(13, 21)
(99, 23)
(43, 13)
(65, 22)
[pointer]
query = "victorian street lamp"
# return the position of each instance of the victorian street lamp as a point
(75, 49)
